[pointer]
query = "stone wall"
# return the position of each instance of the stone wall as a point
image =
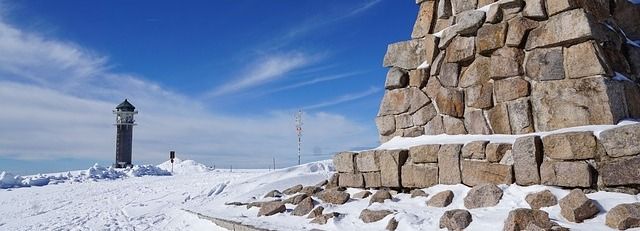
(572, 160)
(512, 67)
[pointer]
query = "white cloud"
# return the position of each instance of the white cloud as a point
(344, 98)
(266, 70)
(57, 99)
(314, 81)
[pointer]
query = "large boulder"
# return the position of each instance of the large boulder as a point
(418, 193)
(453, 126)
(380, 196)
(461, 49)
(510, 89)
(396, 78)
(424, 115)
(563, 29)
(367, 161)
(410, 54)
(527, 157)
(506, 62)
(449, 74)
(304, 207)
(479, 96)
(449, 164)
(474, 150)
(368, 216)
(520, 116)
(621, 141)
(576, 207)
(491, 37)
(457, 219)
(273, 193)
(424, 22)
(483, 195)
(424, 153)
(566, 173)
(475, 122)
(468, 22)
(419, 175)
(480, 172)
(372, 179)
(316, 212)
(476, 73)
(344, 162)
(576, 102)
(293, 189)
(334, 197)
(535, 9)
(295, 199)
(386, 124)
(498, 117)
(523, 219)
(352, 180)
(620, 172)
(518, 29)
(570, 146)
(362, 195)
(545, 64)
(624, 216)
(395, 102)
(311, 190)
(390, 163)
(271, 208)
(495, 151)
(441, 199)
(584, 60)
(541, 199)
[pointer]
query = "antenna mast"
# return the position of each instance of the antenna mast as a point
(299, 131)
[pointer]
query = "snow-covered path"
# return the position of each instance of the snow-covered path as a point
(137, 203)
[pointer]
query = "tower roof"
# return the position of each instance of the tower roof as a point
(125, 106)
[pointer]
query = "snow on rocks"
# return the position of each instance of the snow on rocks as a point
(94, 173)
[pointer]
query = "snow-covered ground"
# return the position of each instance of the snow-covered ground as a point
(157, 202)
(126, 202)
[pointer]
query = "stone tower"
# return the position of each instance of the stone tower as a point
(124, 134)
(512, 67)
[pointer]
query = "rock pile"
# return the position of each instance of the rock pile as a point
(512, 67)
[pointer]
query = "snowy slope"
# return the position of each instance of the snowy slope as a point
(124, 203)
(156, 203)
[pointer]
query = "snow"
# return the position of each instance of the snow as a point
(406, 142)
(184, 166)
(424, 65)
(152, 202)
(94, 173)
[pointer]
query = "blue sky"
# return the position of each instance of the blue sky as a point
(218, 81)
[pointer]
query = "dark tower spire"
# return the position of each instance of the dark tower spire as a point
(124, 133)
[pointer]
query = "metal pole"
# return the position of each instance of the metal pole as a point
(274, 163)
(299, 131)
